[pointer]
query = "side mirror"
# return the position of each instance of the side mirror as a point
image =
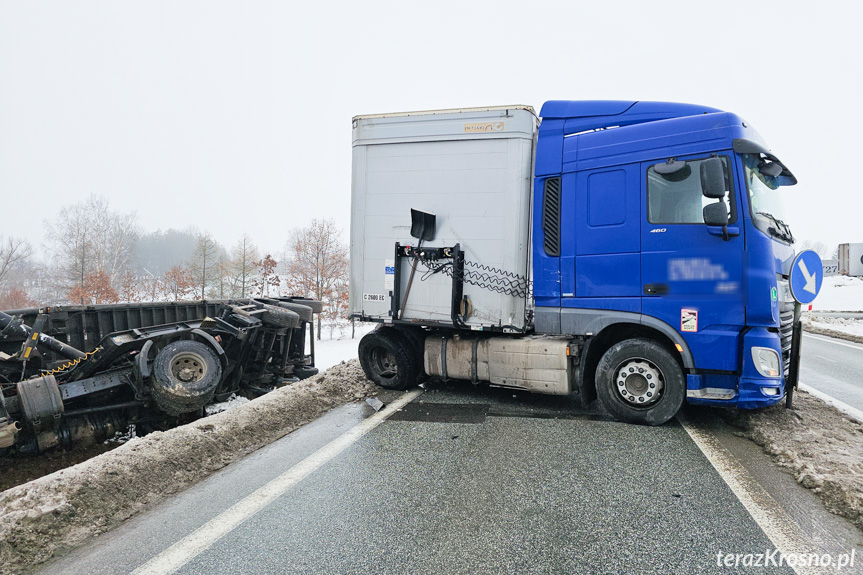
(713, 179)
(716, 215)
(772, 169)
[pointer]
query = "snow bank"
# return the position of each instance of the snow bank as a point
(817, 444)
(60, 511)
(840, 293)
(841, 328)
(840, 324)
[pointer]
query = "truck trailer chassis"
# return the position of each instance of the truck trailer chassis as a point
(73, 375)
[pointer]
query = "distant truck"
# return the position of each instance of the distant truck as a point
(634, 251)
(851, 259)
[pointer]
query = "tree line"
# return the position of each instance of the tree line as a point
(98, 255)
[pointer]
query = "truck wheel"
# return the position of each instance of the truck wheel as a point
(278, 317)
(185, 376)
(638, 381)
(387, 360)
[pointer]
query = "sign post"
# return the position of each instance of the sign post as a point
(807, 274)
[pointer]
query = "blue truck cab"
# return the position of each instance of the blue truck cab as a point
(633, 252)
(621, 246)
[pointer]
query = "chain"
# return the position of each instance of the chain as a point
(485, 277)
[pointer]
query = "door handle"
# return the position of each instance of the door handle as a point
(717, 231)
(655, 289)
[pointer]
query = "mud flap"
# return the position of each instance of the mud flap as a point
(794, 367)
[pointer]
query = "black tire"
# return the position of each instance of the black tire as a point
(276, 316)
(316, 305)
(185, 376)
(304, 311)
(388, 360)
(639, 381)
(415, 338)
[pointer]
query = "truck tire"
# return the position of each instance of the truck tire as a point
(316, 305)
(388, 360)
(278, 317)
(639, 381)
(415, 338)
(185, 376)
(302, 310)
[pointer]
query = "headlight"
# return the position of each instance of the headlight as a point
(766, 361)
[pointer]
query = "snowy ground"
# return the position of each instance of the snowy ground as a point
(842, 325)
(330, 352)
(817, 444)
(840, 293)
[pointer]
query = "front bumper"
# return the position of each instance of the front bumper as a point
(749, 390)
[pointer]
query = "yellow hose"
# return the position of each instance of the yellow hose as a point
(70, 364)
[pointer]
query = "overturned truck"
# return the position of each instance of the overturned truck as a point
(74, 375)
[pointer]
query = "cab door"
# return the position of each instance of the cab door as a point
(692, 274)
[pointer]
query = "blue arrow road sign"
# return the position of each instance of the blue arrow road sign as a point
(807, 273)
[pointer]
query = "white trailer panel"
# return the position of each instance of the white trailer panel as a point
(851, 259)
(473, 169)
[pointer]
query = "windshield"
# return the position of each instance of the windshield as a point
(765, 202)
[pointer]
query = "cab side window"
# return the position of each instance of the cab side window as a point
(674, 193)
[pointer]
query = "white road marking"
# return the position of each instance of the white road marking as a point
(840, 405)
(833, 341)
(785, 534)
(186, 549)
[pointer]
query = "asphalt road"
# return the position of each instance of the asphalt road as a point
(472, 481)
(834, 367)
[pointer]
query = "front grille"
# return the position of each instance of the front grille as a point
(786, 328)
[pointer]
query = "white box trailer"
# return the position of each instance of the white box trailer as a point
(851, 259)
(471, 168)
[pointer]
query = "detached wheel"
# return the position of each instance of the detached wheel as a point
(388, 360)
(185, 376)
(639, 381)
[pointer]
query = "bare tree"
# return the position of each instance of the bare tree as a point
(12, 252)
(89, 237)
(818, 247)
(317, 264)
(178, 281)
(15, 298)
(242, 265)
(204, 264)
(267, 277)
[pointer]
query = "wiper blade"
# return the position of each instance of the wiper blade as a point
(787, 230)
(778, 229)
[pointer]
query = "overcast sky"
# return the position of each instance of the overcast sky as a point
(236, 116)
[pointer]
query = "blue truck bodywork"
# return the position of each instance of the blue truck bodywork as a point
(715, 294)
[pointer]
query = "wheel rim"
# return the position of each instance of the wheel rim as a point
(639, 383)
(384, 363)
(188, 367)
